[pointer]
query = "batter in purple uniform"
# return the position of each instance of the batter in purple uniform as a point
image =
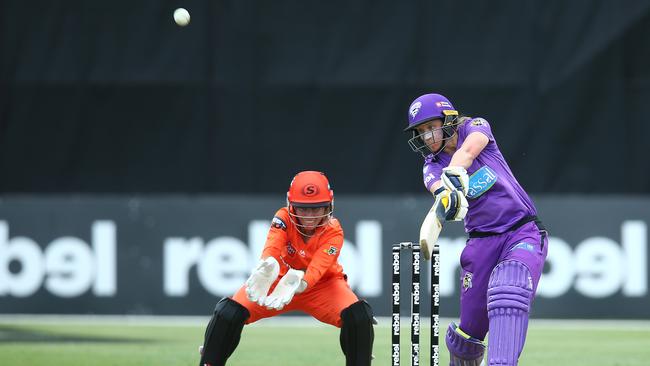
(504, 256)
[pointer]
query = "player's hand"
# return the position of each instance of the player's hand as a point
(454, 202)
(455, 178)
(289, 285)
(259, 282)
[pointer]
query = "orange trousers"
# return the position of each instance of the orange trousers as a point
(324, 301)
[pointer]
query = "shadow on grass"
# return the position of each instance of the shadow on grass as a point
(23, 335)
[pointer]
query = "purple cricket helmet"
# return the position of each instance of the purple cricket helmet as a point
(429, 107)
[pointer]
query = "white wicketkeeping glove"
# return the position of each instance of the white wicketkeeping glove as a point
(288, 286)
(455, 178)
(260, 281)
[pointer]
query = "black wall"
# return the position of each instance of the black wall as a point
(112, 96)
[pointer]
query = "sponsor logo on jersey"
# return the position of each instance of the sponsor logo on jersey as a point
(278, 223)
(523, 245)
(415, 108)
(290, 249)
(478, 122)
(467, 281)
(481, 181)
(331, 251)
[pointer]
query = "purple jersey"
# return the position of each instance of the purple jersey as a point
(496, 200)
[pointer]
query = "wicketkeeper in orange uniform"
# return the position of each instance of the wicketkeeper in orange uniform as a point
(298, 270)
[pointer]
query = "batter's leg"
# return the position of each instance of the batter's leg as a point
(510, 293)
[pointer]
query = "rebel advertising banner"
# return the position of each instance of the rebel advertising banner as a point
(180, 254)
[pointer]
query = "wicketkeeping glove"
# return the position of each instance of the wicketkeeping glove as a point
(260, 281)
(289, 284)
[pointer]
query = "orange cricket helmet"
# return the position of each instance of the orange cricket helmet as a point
(310, 189)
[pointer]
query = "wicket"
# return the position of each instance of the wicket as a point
(415, 304)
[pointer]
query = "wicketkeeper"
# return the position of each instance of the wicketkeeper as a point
(298, 270)
(504, 256)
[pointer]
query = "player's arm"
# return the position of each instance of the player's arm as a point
(277, 237)
(454, 202)
(454, 177)
(434, 187)
(454, 183)
(267, 269)
(469, 150)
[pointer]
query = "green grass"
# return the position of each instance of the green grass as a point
(73, 343)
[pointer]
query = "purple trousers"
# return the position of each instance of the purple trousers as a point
(526, 245)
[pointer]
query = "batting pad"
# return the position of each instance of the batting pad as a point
(464, 350)
(510, 292)
(223, 333)
(357, 334)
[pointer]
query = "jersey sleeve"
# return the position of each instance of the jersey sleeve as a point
(431, 172)
(479, 125)
(277, 237)
(325, 257)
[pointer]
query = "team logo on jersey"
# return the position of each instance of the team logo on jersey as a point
(467, 281)
(415, 108)
(331, 251)
(278, 223)
(478, 122)
(481, 181)
(290, 249)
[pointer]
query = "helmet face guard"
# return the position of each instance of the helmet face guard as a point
(298, 220)
(440, 134)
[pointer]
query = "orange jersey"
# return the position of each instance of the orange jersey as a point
(318, 257)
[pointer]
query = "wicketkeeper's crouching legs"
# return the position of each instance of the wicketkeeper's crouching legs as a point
(357, 334)
(223, 332)
(510, 293)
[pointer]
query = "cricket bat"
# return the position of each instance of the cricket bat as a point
(431, 227)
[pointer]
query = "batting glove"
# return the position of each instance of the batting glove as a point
(454, 203)
(455, 178)
(260, 281)
(288, 286)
